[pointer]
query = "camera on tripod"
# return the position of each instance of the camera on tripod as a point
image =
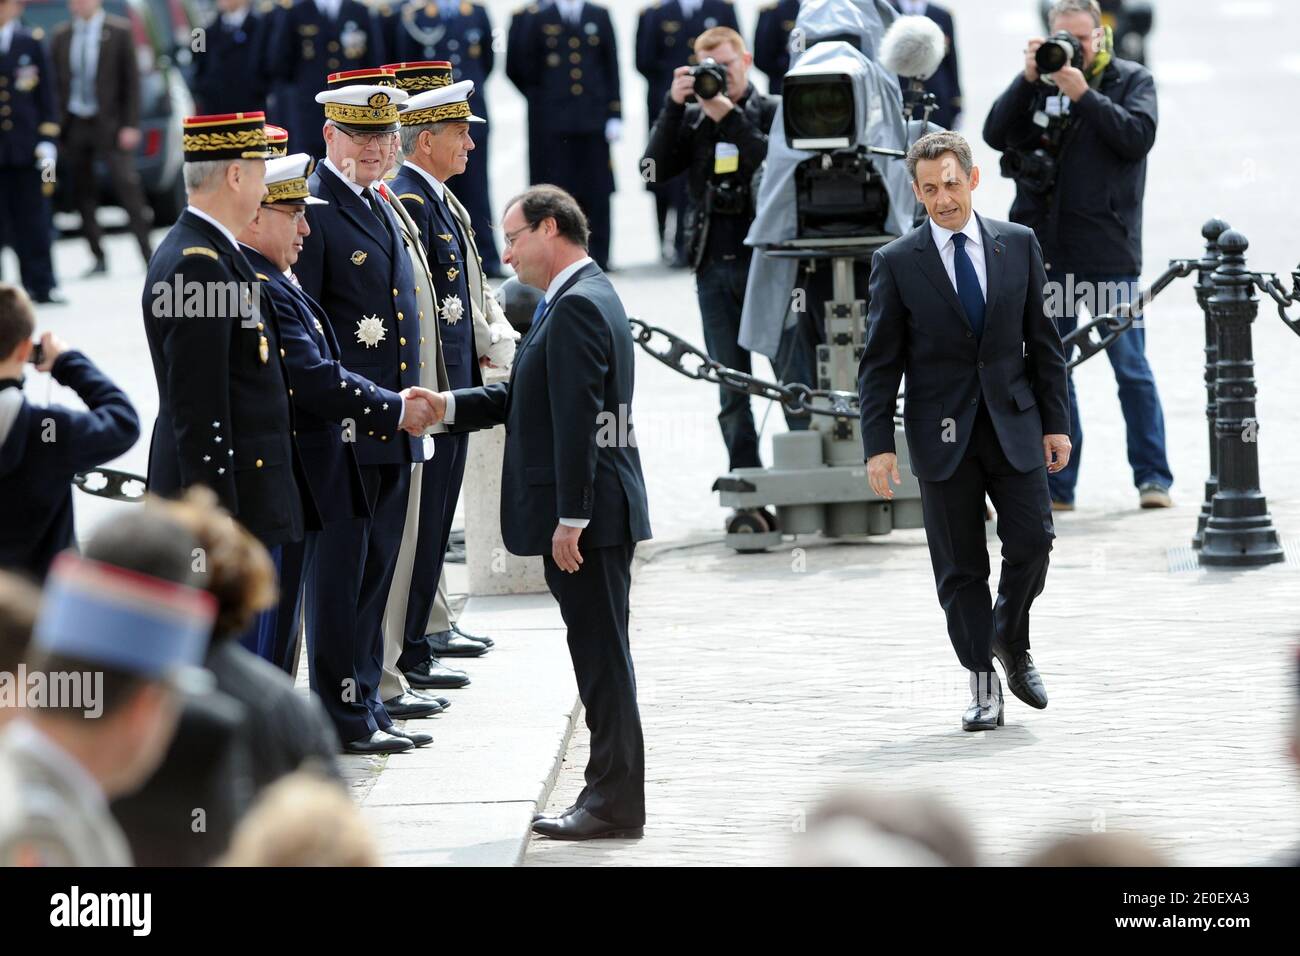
(710, 78)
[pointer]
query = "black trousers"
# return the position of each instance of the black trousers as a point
(954, 528)
(84, 145)
(25, 225)
(580, 164)
(594, 605)
(348, 575)
(439, 492)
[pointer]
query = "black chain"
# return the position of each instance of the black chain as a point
(1270, 285)
(1111, 327)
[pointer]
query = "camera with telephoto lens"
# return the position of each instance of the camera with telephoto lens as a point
(1034, 170)
(1059, 50)
(710, 78)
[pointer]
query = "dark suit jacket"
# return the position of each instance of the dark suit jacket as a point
(325, 395)
(570, 445)
(224, 418)
(43, 449)
(356, 270)
(917, 328)
(117, 76)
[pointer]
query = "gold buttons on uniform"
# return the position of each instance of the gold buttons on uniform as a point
(260, 326)
(421, 365)
(258, 463)
(421, 339)
(383, 438)
(576, 89)
(575, 57)
(394, 293)
(399, 317)
(575, 42)
(401, 341)
(281, 353)
(403, 366)
(291, 393)
(417, 290)
(575, 74)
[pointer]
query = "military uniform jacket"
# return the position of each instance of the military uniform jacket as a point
(230, 75)
(224, 416)
(29, 111)
(447, 251)
(52, 813)
(772, 41)
(355, 266)
(421, 32)
(665, 38)
(332, 405)
(568, 73)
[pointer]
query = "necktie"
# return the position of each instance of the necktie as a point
(968, 284)
(539, 311)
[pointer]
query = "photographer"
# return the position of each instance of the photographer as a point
(1075, 140)
(720, 141)
(41, 449)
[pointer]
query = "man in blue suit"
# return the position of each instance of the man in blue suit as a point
(665, 40)
(309, 41)
(945, 84)
(459, 33)
(230, 72)
(957, 308)
(572, 489)
(29, 132)
(353, 263)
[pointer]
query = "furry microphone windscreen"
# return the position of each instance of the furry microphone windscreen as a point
(913, 47)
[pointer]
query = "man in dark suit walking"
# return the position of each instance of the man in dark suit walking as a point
(99, 94)
(572, 474)
(957, 307)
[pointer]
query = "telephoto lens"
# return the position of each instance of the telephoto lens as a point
(710, 79)
(1059, 50)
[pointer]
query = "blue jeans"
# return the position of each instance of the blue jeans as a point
(1144, 419)
(720, 288)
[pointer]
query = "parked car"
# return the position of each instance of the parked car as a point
(164, 101)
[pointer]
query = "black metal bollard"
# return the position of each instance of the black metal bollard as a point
(1204, 289)
(1239, 532)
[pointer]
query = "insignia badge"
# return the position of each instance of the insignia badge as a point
(452, 273)
(263, 349)
(378, 100)
(358, 257)
(445, 237)
(371, 331)
(452, 309)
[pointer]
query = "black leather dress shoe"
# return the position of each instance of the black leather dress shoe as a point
(485, 641)
(581, 825)
(442, 702)
(1022, 676)
(985, 711)
(451, 644)
(554, 816)
(411, 706)
(434, 674)
(49, 298)
(380, 742)
(416, 738)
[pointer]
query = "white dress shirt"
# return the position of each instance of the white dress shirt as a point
(570, 10)
(329, 8)
(235, 19)
(434, 183)
(552, 291)
(84, 54)
(913, 8)
(974, 249)
(7, 36)
(689, 7)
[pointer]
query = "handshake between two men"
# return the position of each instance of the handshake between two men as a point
(422, 410)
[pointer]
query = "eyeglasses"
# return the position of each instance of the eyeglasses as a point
(297, 215)
(365, 139)
(512, 236)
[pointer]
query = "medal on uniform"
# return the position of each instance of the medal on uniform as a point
(358, 257)
(452, 273)
(452, 309)
(371, 331)
(353, 39)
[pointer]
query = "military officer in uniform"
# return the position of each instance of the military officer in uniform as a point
(59, 764)
(310, 40)
(772, 41)
(567, 68)
(224, 416)
(29, 130)
(945, 84)
(354, 264)
(460, 33)
(665, 39)
(230, 72)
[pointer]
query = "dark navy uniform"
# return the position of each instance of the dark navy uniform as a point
(772, 41)
(520, 74)
(325, 394)
(945, 84)
(355, 266)
(665, 38)
(28, 117)
(224, 418)
(305, 47)
(461, 34)
(448, 250)
(569, 74)
(230, 75)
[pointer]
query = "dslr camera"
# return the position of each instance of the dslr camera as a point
(710, 78)
(1059, 50)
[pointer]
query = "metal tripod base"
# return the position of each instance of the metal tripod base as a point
(811, 495)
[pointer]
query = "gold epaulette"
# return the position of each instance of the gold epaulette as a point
(200, 251)
(419, 199)
(264, 278)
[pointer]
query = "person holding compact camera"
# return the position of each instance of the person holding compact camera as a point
(1074, 129)
(714, 127)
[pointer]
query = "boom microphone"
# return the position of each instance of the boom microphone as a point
(913, 47)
